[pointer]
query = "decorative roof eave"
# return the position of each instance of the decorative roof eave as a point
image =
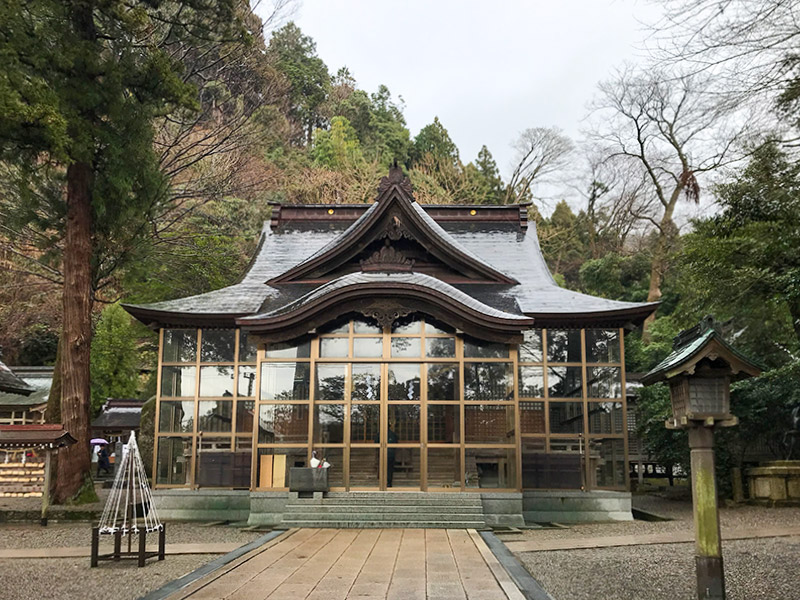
(154, 318)
(394, 192)
(385, 298)
(628, 317)
(13, 384)
(35, 436)
(710, 345)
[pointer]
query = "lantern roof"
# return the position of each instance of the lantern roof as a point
(702, 342)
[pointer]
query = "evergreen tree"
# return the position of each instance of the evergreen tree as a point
(493, 189)
(115, 359)
(295, 55)
(433, 140)
(81, 83)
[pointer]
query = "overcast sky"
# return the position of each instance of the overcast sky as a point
(486, 69)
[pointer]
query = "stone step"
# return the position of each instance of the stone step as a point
(345, 508)
(382, 516)
(362, 503)
(415, 495)
(382, 524)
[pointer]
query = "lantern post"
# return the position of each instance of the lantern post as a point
(699, 372)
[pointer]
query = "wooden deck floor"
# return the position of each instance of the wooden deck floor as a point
(339, 564)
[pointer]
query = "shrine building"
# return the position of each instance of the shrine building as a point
(417, 348)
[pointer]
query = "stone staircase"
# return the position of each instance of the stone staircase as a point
(386, 509)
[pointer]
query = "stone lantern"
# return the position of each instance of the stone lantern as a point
(699, 372)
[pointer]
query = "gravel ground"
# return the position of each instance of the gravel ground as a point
(25, 535)
(757, 569)
(764, 569)
(740, 517)
(72, 579)
(68, 578)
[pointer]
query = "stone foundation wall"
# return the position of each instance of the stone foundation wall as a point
(570, 506)
(503, 509)
(202, 505)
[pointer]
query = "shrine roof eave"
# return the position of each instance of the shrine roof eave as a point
(38, 436)
(684, 359)
(386, 296)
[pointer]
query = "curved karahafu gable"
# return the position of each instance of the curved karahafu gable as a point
(386, 297)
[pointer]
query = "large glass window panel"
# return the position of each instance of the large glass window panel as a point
(607, 463)
(330, 382)
(531, 417)
(366, 326)
(366, 386)
(367, 347)
(334, 347)
(406, 347)
(180, 345)
(217, 345)
(364, 467)
(490, 468)
(404, 381)
(274, 465)
(216, 381)
(531, 382)
(566, 417)
(403, 424)
(530, 350)
(173, 464)
(242, 462)
(247, 348)
(488, 381)
(564, 382)
(285, 381)
(176, 417)
(335, 458)
(245, 413)
(437, 328)
(444, 423)
(178, 382)
(365, 422)
(564, 345)
(215, 416)
(440, 347)
(294, 349)
(407, 325)
(283, 424)
(558, 468)
(403, 468)
(329, 423)
(444, 468)
(215, 460)
(247, 382)
(443, 382)
(604, 382)
(488, 424)
(479, 349)
(605, 417)
(602, 346)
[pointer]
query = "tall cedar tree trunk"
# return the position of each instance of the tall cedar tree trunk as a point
(666, 237)
(74, 463)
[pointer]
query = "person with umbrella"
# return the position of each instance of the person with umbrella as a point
(102, 459)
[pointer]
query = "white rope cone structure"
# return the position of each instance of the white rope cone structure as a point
(130, 505)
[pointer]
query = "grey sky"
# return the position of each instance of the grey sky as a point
(486, 69)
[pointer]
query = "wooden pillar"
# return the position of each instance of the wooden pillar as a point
(46, 487)
(708, 560)
(95, 545)
(162, 536)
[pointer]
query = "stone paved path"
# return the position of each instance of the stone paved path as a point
(368, 564)
(673, 537)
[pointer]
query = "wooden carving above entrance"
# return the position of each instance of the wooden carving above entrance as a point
(382, 235)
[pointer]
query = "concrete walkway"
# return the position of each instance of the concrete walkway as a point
(673, 537)
(368, 564)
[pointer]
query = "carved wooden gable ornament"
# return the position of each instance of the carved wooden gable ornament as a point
(394, 235)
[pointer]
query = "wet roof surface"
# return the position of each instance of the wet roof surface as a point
(506, 247)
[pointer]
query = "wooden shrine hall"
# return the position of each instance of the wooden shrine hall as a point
(416, 348)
